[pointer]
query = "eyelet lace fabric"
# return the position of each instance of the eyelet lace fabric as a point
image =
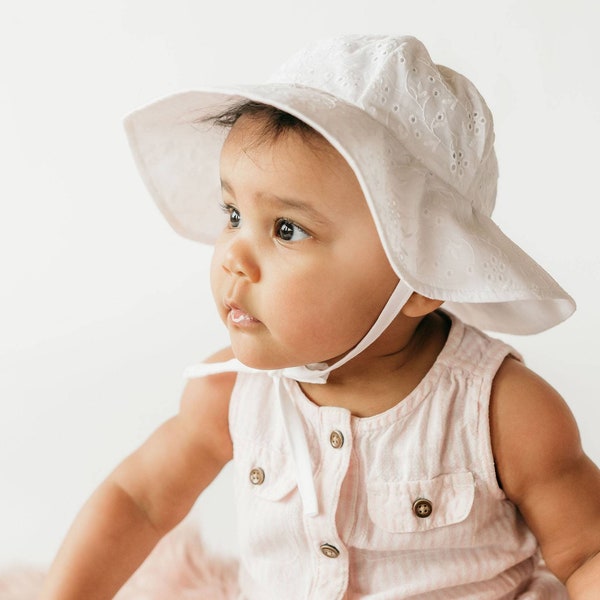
(437, 113)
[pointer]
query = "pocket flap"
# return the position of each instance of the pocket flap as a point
(265, 472)
(444, 500)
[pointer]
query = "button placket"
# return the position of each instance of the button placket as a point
(330, 555)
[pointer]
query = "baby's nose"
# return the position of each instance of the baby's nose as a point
(239, 259)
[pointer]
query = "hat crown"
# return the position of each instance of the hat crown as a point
(437, 114)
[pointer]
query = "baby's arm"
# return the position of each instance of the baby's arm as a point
(544, 471)
(145, 496)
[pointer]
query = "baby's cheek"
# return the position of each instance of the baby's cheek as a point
(217, 275)
(322, 329)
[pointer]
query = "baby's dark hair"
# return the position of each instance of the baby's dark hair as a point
(274, 121)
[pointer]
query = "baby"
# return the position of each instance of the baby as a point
(384, 447)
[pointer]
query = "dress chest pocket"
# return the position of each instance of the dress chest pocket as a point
(429, 509)
(268, 506)
(264, 472)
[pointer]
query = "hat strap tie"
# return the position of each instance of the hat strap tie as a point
(313, 373)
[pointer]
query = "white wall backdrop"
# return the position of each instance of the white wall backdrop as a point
(102, 305)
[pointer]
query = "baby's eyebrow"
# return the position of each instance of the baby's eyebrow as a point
(285, 203)
(299, 205)
(226, 187)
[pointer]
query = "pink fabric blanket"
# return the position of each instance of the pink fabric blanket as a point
(179, 568)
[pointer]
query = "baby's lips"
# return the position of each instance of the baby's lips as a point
(239, 316)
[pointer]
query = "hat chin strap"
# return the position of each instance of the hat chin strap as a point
(312, 373)
(319, 372)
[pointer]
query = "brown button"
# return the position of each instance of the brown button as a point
(336, 439)
(330, 551)
(422, 508)
(257, 476)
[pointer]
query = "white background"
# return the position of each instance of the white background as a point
(102, 305)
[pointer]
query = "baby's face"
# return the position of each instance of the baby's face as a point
(299, 274)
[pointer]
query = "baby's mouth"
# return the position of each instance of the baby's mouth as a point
(239, 316)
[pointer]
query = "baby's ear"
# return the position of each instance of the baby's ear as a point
(419, 306)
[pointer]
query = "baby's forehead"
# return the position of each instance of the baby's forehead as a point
(291, 167)
(255, 136)
(276, 130)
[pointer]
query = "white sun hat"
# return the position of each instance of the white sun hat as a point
(419, 138)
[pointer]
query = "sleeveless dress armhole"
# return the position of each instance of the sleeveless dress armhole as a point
(491, 363)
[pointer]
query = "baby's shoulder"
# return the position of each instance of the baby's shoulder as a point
(519, 392)
(533, 430)
(204, 405)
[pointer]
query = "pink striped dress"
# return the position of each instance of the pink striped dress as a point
(409, 504)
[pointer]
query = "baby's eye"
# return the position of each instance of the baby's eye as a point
(234, 215)
(289, 231)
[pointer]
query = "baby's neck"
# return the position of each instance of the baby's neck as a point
(386, 373)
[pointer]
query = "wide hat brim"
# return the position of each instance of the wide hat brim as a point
(433, 238)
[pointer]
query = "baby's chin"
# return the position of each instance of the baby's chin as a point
(264, 361)
(262, 364)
